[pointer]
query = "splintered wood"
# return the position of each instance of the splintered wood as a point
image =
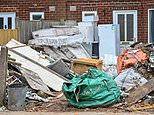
(140, 92)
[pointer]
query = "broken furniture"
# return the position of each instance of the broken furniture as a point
(81, 65)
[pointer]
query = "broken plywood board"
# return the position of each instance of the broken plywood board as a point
(49, 77)
(28, 52)
(34, 81)
(54, 53)
(79, 51)
(140, 92)
(14, 44)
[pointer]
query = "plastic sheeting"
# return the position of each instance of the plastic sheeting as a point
(109, 65)
(130, 57)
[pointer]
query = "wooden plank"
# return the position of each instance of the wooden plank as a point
(140, 92)
(3, 72)
(34, 81)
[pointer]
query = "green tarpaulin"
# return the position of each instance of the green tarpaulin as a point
(91, 89)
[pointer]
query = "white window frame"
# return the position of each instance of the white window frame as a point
(5, 15)
(149, 23)
(36, 13)
(89, 12)
(125, 12)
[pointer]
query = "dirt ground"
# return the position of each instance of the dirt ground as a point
(73, 113)
(61, 105)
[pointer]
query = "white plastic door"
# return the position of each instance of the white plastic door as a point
(7, 20)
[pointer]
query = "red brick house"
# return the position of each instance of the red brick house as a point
(136, 17)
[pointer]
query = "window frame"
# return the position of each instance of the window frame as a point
(125, 12)
(95, 13)
(36, 13)
(151, 9)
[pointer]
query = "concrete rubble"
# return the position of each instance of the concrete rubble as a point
(48, 62)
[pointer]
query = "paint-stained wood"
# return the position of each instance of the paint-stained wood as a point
(140, 92)
(7, 35)
(3, 72)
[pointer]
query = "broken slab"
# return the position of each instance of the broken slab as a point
(140, 92)
(58, 36)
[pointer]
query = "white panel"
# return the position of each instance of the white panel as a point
(109, 42)
(87, 30)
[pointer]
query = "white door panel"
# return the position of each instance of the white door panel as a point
(7, 20)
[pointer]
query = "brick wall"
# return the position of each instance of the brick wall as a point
(23, 7)
(105, 10)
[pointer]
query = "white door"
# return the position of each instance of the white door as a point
(127, 20)
(7, 20)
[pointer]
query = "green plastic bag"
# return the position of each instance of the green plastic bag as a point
(91, 89)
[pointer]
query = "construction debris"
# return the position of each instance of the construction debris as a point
(57, 37)
(128, 79)
(49, 77)
(56, 62)
(34, 81)
(140, 92)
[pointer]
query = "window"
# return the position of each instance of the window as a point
(7, 20)
(89, 16)
(151, 26)
(36, 16)
(127, 21)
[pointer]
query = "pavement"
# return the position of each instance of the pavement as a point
(74, 113)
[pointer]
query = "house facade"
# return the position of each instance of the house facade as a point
(136, 17)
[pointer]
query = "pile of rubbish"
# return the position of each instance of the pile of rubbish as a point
(47, 70)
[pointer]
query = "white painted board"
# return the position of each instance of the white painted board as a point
(50, 79)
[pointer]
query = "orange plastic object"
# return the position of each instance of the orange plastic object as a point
(126, 59)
